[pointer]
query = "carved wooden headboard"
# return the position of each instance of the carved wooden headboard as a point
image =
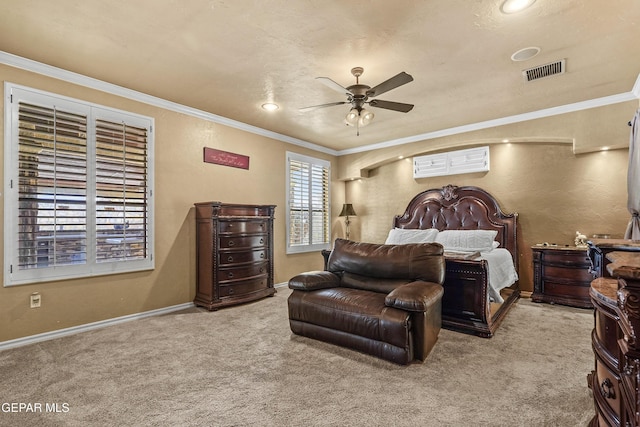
(461, 208)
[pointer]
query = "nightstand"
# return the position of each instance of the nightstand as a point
(561, 276)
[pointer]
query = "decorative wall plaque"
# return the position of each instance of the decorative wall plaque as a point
(225, 158)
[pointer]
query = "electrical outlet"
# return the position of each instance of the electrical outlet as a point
(36, 300)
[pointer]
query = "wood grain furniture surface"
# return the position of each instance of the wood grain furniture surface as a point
(615, 379)
(561, 275)
(599, 248)
(234, 253)
(466, 306)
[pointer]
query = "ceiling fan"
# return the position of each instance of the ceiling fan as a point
(358, 95)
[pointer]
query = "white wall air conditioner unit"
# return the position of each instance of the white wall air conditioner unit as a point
(452, 163)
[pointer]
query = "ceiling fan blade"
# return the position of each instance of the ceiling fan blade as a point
(389, 105)
(333, 85)
(315, 107)
(395, 81)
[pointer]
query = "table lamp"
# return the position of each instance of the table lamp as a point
(347, 211)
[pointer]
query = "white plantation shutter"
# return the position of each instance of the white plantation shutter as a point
(121, 189)
(307, 203)
(319, 204)
(299, 179)
(52, 187)
(78, 186)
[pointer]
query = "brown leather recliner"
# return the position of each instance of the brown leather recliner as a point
(383, 300)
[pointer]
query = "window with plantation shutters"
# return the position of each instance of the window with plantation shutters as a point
(307, 203)
(121, 191)
(78, 189)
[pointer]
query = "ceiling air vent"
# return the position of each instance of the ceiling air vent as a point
(545, 70)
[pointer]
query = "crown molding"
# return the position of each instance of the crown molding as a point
(79, 79)
(547, 112)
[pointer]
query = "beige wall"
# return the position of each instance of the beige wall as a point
(181, 178)
(554, 192)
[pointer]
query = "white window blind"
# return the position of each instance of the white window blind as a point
(308, 213)
(78, 189)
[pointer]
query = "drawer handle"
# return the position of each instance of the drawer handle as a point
(230, 291)
(261, 269)
(261, 241)
(606, 389)
(230, 259)
(230, 275)
(262, 255)
(231, 243)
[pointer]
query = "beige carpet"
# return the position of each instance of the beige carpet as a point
(241, 366)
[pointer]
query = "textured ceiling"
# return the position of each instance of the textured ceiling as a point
(229, 57)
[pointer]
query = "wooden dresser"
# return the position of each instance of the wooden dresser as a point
(561, 275)
(599, 248)
(616, 378)
(234, 253)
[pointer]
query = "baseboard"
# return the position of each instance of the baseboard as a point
(32, 339)
(281, 285)
(525, 294)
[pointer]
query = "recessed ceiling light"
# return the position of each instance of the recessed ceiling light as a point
(526, 53)
(513, 6)
(270, 106)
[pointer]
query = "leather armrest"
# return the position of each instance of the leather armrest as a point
(313, 280)
(414, 296)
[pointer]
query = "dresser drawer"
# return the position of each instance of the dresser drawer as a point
(243, 241)
(605, 337)
(228, 258)
(243, 227)
(606, 391)
(568, 258)
(234, 274)
(572, 274)
(242, 288)
(576, 290)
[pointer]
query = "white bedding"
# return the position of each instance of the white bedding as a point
(467, 244)
(500, 269)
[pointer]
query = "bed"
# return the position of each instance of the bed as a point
(475, 301)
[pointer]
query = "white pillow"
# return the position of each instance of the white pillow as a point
(402, 236)
(467, 240)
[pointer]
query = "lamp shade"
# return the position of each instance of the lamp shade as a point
(365, 117)
(347, 210)
(352, 117)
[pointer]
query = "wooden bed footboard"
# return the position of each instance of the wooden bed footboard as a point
(465, 303)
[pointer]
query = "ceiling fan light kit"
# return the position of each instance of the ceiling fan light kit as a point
(358, 118)
(358, 95)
